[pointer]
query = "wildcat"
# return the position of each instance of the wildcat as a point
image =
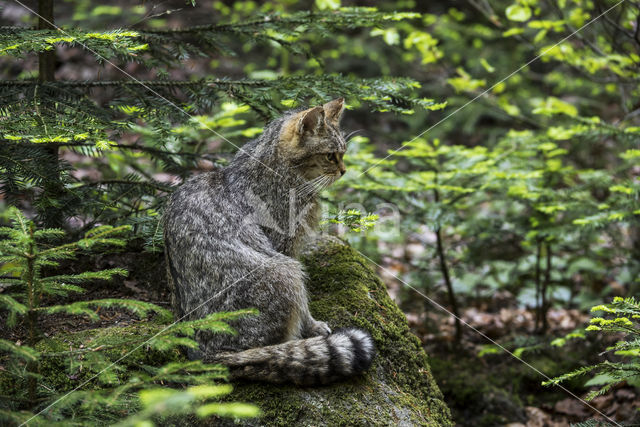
(231, 238)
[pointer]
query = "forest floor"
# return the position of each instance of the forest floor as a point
(498, 389)
(485, 385)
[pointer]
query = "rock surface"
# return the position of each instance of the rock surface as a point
(344, 291)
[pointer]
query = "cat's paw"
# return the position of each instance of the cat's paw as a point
(319, 328)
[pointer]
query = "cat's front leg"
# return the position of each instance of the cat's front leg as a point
(314, 328)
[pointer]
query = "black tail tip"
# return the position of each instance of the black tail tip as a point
(364, 348)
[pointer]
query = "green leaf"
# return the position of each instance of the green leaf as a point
(21, 351)
(621, 189)
(210, 391)
(61, 289)
(465, 82)
(485, 64)
(154, 396)
(328, 4)
(601, 379)
(140, 308)
(77, 309)
(512, 32)
(631, 154)
(488, 349)
(518, 13)
(239, 410)
(390, 35)
(552, 105)
(9, 303)
(540, 36)
(87, 276)
(168, 342)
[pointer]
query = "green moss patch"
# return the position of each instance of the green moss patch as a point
(64, 374)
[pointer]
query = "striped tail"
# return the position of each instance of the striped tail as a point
(311, 361)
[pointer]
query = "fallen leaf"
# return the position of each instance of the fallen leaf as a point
(571, 407)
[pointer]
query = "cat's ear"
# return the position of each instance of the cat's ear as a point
(333, 110)
(311, 121)
(307, 122)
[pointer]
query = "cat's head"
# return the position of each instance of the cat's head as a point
(312, 144)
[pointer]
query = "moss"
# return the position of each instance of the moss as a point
(478, 396)
(344, 291)
(65, 373)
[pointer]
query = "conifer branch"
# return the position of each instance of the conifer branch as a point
(345, 18)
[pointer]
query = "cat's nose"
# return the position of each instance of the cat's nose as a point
(343, 171)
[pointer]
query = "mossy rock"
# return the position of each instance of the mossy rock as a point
(344, 291)
(479, 397)
(65, 373)
(398, 389)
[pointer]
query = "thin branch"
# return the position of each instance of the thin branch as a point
(124, 182)
(225, 28)
(149, 150)
(150, 83)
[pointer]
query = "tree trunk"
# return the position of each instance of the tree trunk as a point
(46, 59)
(545, 290)
(53, 189)
(444, 268)
(538, 307)
(32, 322)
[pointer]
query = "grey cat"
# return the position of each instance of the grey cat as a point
(231, 238)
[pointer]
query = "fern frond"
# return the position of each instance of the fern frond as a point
(87, 276)
(9, 303)
(84, 308)
(214, 322)
(106, 44)
(21, 351)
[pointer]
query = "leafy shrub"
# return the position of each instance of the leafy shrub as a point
(620, 317)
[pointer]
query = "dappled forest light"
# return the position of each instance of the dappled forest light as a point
(469, 169)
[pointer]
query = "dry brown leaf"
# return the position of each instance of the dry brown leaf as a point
(571, 407)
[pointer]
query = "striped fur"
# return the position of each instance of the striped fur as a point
(312, 361)
(231, 238)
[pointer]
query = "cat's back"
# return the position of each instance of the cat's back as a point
(197, 204)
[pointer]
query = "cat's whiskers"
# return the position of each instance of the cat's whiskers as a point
(313, 186)
(324, 183)
(303, 189)
(348, 137)
(314, 189)
(311, 182)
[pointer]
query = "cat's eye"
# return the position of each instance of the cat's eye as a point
(331, 157)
